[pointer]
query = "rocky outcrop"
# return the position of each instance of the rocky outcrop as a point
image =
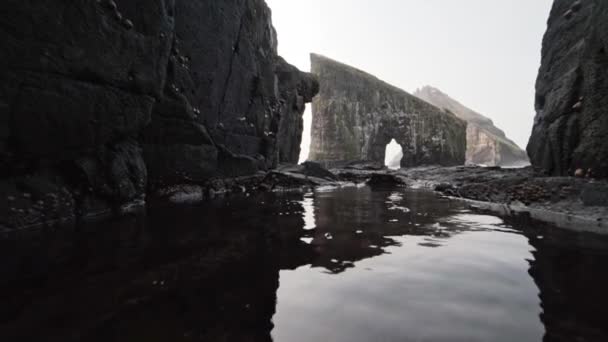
(486, 143)
(101, 100)
(356, 115)
(297, 89)
(571, 124)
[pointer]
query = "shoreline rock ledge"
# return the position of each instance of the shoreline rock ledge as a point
(355, 115)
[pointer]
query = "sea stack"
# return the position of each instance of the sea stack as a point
(355, 116)
(486, 144)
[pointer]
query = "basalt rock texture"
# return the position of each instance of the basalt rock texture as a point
(486, 143)
(356, 115)
(102, 100)
(571, 125)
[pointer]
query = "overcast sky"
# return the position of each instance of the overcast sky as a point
(483, 53)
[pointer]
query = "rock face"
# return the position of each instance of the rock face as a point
(356, 115)
(100, 100)
(486, 143)
(571, 125)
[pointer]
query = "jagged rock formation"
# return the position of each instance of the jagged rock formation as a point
(356, 115)
(571, 125)
(100, 100)
(486, 143)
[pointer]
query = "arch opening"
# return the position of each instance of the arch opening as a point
(393, 155)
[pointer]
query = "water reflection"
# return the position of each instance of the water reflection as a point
(354, 264)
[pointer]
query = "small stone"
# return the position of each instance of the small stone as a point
(111, 4)
(578, 106)
(577, 5)
(579, 173)
(128, 24)
(118, 15)
(10, 198)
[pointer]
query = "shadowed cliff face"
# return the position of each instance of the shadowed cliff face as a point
(102, 100)
(356, 115)
(571, 124)
(486, 143)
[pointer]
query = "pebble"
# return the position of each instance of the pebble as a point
(111, 4)
(128, 24)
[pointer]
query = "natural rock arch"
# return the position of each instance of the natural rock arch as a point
(356, 115)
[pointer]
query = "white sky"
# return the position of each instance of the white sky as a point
(483, 53)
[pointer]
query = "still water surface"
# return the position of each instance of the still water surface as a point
(352, 264)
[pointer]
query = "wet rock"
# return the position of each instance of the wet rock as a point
(571, 91)
(385, 179)
(365, 166)
(486, 143)
(356, 115)
(594, 194)
(308, 174)
(313, 169)
(446, 188)
(287, 181)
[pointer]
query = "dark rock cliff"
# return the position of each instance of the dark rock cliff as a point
(356, 115)
(102, 100)
(486, 143)
(571, 125)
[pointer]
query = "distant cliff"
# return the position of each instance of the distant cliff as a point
(356, 115)
(571, 125)
(103, 101)
(486, 143)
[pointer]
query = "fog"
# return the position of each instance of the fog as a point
(483, 53)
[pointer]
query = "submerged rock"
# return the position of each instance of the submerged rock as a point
(356, 115)
(571, 123)
(486, 143)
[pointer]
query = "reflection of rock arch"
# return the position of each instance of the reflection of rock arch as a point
(356, 115)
